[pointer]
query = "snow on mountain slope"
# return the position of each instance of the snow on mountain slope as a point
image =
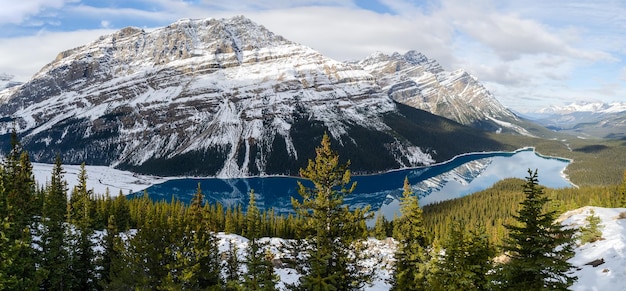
(586, 119)
(224, 88)
(591, 107)
(415, 80)
(228, 98)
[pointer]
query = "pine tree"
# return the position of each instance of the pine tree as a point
(331, 228)
(538, 248)
(622, 192)
(260, 274)
(232, 275)
(54, 262)
(380, 226)
(82, 253)
(201, 265)
(591, 232)
(17, 214)
(109, 252)
(465, 260)
(411, 255)
(19, 188)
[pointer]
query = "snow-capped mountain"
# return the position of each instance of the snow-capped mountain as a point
(590, 107)
(417, 81)
(222, 97)
(586, 119)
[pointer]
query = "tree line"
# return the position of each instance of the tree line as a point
(97, 242)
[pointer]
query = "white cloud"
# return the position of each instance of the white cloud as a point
(523, 51)
(17, 12)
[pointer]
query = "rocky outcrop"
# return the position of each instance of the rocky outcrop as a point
(415, 80)
(221, 97)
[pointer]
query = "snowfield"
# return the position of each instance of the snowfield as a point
(99, 178)
(611, 275)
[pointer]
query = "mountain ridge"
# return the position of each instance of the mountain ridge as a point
(219, 97)
(585, 119)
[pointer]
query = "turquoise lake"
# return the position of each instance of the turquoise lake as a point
(458, 177)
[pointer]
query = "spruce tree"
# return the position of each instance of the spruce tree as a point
(109, 253)
(54, 262)
(331, 228)
(260, 272)
(19, 188)
(121, 212)
(538, 247)
(232, 275)
(201, 264)
(83, 267)
(380, 226)
(8, 249)
(622, 192)
(412, 258)
(17, 197)
(591, 232)
(465, 260)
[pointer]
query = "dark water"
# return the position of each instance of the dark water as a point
(458, 177)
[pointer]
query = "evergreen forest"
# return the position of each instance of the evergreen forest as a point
(55, 238)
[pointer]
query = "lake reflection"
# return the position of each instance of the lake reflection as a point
(456, 178)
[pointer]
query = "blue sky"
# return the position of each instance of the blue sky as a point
(530, 54)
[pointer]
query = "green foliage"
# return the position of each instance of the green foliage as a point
(260, 271)
(81, 244)
(538, 248)
(382, 227)
(591, 233)
(331, 228)
(622, 192)
(17, 216)
(465, 260)
(412, 258)
(232, 273)
(594, 162)
(495, 207)
(55, 259)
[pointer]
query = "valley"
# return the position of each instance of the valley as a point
(206, 135)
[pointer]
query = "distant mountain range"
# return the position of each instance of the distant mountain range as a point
(229, 98)
(585, 119)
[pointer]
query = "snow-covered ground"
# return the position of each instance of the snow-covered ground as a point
(99, 178)
(381, 254)
(611, 275)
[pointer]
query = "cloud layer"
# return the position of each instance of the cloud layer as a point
(529, 54)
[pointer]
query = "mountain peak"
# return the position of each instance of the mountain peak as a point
(383, 63)
(229, 98)
(420, 82)
(584, 106)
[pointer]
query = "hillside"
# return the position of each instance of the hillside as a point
(229, 98)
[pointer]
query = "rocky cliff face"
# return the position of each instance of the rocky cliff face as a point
(220, 97)
(415, 80)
